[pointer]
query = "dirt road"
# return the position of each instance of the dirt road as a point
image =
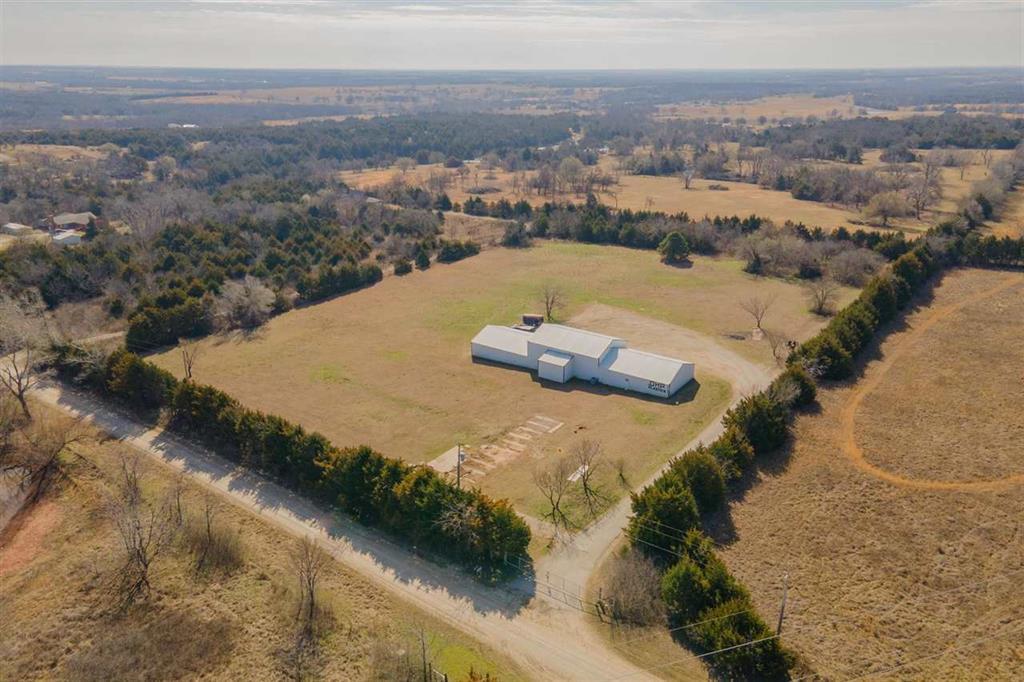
(576, 560)
(549, 644)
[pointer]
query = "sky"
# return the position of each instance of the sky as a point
(560, 34)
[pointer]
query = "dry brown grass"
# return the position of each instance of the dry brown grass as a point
(21, 153)
(782, 106)
(390, 365)
(802, 105)
(884, 566)
(224, 625)
(666, 193)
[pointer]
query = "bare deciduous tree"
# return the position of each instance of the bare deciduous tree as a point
(190, 351)
(757, 307)
(144, 529)
(460, 521)
(822, 294)
(45, 443)
(244, 303)
(23, 342)
(554, 300)
(632, 590)
(779, 345)
(986, 157)
(308, 560)
(405, 164)
(922, 192)
(553, 482)
(586, 455)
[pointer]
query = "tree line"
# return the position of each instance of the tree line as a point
(665, 525)
(414, 503)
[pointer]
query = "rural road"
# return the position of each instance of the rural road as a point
(549, 644)
(549, 640)
(577, 559)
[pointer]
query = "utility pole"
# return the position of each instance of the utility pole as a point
(782, 608)
(423, 653)
(458, 468)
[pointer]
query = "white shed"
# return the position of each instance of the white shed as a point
(560, 353)
(17, 229)
(67, 238)
(554, 366)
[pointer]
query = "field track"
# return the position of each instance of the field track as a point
(849, 412)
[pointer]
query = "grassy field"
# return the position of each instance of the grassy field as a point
(897, 512)
(20, 153)
(772, 108)
(390, 365)
(57, 623)
(666, 193)
(802, 105)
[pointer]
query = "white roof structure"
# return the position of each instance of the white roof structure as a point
(574, 341)
(16, 229)
(559, 353)
(643, 365)
(73, 218)
(555, 358)
(503, 338)
(67, 238)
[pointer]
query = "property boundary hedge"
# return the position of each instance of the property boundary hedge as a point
(665, 524)
(412, 502)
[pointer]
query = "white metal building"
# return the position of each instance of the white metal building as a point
(559, 353)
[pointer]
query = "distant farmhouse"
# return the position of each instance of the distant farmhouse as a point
(559, 353)
(73, 221)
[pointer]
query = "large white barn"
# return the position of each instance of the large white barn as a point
(559, 353)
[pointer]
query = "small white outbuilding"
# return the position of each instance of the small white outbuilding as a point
(559, 353)
(67, 238)
(17, 229)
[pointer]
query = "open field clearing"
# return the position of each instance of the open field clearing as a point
(386, 99)
(782, 106)
(216, 625)
(20, 153)
(637, 192)
(390, 365)
(897, 510)
(667, 193)
(803, 105)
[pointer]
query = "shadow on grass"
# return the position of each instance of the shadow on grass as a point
(686, 394)
(340, 534)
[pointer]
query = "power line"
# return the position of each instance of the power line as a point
(699, 656)
(682, 627)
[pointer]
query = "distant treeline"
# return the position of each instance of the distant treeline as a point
(375, 140)
(412, 502)
(830, 138)
(166, 287)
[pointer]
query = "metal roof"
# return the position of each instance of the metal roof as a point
(503, 338)
(73, 218)
(573, 341)
(643, 365)
(554, 358)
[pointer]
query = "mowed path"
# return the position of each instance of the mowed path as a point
(848, 433)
